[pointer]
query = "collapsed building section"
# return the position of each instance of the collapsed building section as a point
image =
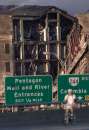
(39, 39)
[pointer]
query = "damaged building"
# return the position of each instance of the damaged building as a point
(33, 40)
(39, 39)
(78, 46)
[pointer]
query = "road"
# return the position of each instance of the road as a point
(43, 120)
(52, 127)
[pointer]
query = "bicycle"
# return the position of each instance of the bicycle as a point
(69, 118)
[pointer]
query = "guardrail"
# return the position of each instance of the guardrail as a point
(42, 107)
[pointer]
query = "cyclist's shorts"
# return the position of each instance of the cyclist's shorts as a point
(67, 106)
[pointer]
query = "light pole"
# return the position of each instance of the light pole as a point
(63, 63)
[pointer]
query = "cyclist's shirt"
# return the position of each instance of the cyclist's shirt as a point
(70, 100)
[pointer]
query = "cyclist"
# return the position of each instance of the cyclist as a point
(70, 101)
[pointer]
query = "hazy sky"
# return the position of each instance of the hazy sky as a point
(72, 6)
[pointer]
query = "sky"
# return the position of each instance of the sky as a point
(72, 6)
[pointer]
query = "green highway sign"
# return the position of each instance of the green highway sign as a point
(25, 90)
(78, 83)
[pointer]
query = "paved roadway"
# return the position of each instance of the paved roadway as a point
(43, 120)
(48, 127)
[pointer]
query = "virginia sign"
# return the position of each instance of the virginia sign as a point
(78, 83)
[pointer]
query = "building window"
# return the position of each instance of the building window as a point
(63, 52)
(52, 31)
(18, 68)
(52, 15)
(17, 51)
(7, 48)
(7, 65)
(16, 30)
(53, 51)
(41, 49)
(41, 68)
(30, 30)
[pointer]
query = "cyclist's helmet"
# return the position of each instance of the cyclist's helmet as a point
(70, 90)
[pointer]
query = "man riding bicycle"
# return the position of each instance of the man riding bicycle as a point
(70, 101)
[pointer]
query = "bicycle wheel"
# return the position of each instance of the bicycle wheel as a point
(66, 119)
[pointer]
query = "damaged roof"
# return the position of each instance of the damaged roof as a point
(30, 10)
